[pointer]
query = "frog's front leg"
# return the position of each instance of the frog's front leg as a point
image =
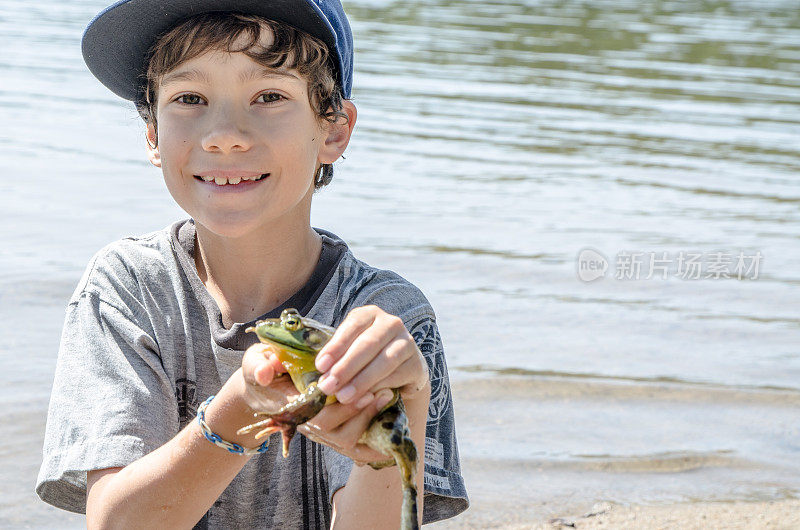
(303, 408)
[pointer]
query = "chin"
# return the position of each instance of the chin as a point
(228, 226)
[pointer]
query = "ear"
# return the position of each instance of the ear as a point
(152, 148)
(336, 136)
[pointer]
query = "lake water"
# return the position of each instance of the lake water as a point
(495, 142)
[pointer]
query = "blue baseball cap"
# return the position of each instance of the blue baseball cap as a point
(116, 42)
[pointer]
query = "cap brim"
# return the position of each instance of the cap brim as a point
(116, 42)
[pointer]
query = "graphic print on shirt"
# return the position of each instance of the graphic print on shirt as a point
(426, 335)
(185, 392)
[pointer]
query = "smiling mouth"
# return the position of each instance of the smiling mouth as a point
(230, 181)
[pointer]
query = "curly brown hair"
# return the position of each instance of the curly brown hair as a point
(291, 48)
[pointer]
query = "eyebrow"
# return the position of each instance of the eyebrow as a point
(252, 74)
(264, 73)
(185, 75)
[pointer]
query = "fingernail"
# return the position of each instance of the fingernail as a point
(327, 384)
(324, 362)
(365, 400)
(346, 394)
(384, 397)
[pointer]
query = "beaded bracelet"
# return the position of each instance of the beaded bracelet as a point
(218, 441)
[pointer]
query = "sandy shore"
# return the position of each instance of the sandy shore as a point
(777, 515)
(784, 514)
(502, 420)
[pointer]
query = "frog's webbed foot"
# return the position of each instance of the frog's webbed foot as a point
(286, 420)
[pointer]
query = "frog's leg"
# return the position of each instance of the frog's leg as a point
(389, 434)
(286, 420)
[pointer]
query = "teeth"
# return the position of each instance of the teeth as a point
(222, 181)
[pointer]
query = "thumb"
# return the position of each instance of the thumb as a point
(382, 398)
(257, 365)
(263, 373)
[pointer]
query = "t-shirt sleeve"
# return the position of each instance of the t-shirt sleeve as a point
(112, 402)
(445, 492)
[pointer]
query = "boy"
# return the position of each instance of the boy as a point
(245, 104)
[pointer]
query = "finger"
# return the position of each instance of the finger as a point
(332, 416)
(353, 325)
(408, 391)
(347, 434)
(257, 367)
(277, 364)
(364, 349)
(392, 357)
(361, 353)
(361, 454)
(263, 374)
(398, 378)
(411, 377)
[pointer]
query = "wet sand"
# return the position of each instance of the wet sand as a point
(503, 423)
(777, 515)
(512, 499)
(784, 514)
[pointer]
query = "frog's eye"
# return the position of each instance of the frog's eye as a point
(292, 323)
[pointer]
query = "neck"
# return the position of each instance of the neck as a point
(250, 275)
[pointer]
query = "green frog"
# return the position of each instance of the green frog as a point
(298, 340)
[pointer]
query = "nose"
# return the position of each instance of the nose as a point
(226, 131)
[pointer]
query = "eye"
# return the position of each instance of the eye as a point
(292, 323)
(189, 99)
(269, 97)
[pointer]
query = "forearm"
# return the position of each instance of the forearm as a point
(177, 483)
(373, 498)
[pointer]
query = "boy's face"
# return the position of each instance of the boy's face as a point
(225, 116)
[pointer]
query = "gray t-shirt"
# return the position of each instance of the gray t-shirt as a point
(143, 344)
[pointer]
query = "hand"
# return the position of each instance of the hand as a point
(337, 425)
(340, 425)
(371, 350)
(267, 386)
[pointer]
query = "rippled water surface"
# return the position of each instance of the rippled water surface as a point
(494, 142)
